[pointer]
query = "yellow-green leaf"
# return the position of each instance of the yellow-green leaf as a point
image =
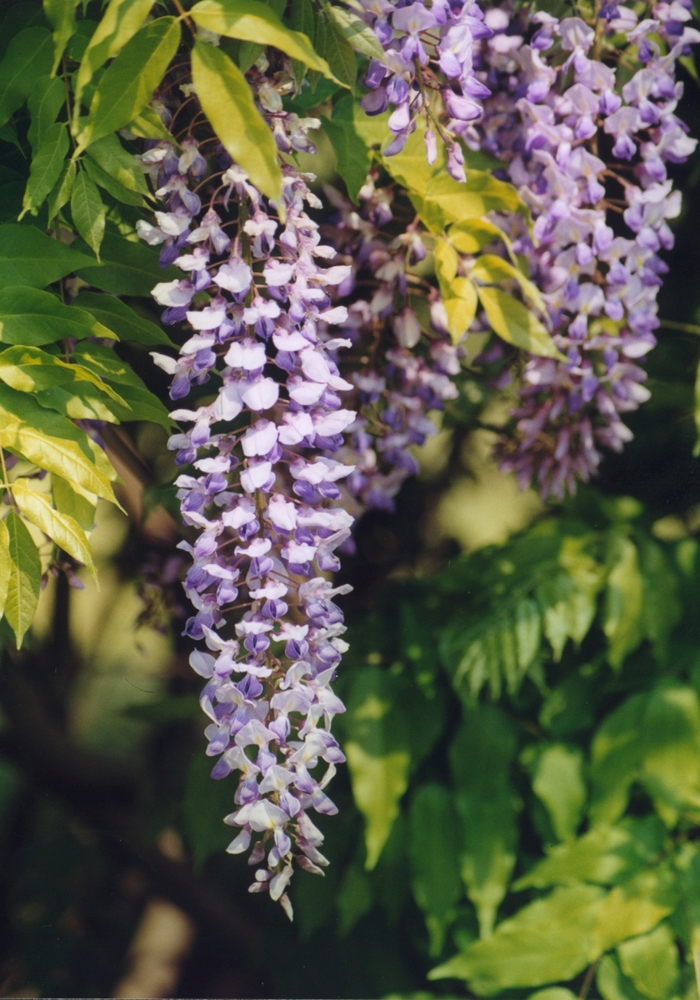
(61, 14)
(29, 369)
(62, 529)
(73, 504)
(228, 104)
(120, 22)
(25, 577)
(515, 324)
(490, 269)
(253, 21)
(356, 32)
(470, 236)
(5, 565)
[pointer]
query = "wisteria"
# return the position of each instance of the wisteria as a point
(427, 69)
(262, 507)
(316, 351)
(588, 154)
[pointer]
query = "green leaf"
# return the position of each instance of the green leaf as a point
(354, 898)
(515, 324)
(128, 267)
(557, 780)
(253, 21)
(45, 101)
(480, 759)
(80, 401)
(378, 750)
(32, 317)
(62, 529)
(46, 167)
(339, 54)
(73, 504)
(128, 83)
(490, 269)
(205, 804)
(28, 369)
(611, 982)
(616, 758)
(87, 211)
(356, 32)
(29, 257)
(604, 855)
(5, 566)
(141, 404)
(118, 316)
(53, 443)
(147, 125)
(651, 962)
(623, 621)
(662, 605)
(228, 104)
(61, 14)
(634, 908)
(433, 850)
(103, 180)
(25, 577)
(28, 58)
(60, 195)
(548, 940)
(302, 18)
(120, 22)
(553, 993)
(353, 158)
(104, 362)
(112, 159)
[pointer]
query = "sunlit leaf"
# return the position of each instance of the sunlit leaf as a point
(515, 324)
(25, 577)
(128, 82)
(557, 780)
(624, 601)
(356, 32)
(634, 908)
(75, 505)
(29, 369)
(228, 104)
(5, 565)
(651, 962)
(491, 269)
(63, 530)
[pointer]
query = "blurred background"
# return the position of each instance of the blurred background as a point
(113, 876)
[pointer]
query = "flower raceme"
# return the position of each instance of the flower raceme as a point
(287, 434)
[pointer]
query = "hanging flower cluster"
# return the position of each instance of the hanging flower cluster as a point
(427, 69)
(588, 154)
(398, 382)
(262, 508)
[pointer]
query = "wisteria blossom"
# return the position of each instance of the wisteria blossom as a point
(589, 157)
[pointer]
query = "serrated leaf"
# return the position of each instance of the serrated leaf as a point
(73, 504)
(118, 316)
(62, 529)
(87, 211)
(548, 940)
(28, 58)
(5, 565)
(356, 32)
(25, 577)
(61, 14)
(253, 21)
(433, 850)
(228, 103)
(32, 317)
(46, 167)
(61, 193)
(120, 22)
(29, 257)
(480, 760)
(353, 158)
(339, 54)
(515, 324)
(128, 83)
(45, 101)
(128, 267)
(53, 443)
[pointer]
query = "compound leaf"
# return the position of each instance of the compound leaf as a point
(25, 577)
(63, 530)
